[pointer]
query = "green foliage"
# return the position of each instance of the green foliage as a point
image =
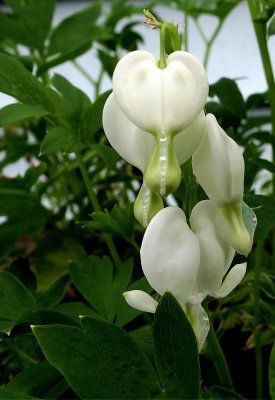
(40, 380)
(57, 265)
(76, 30)
(78, 353)
(21, 25)
(229, 96)
(15, 300)
(272, 372)
(176, 351)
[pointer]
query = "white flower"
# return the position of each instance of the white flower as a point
(154, 117)
(190, 264)
(157, 160)
(219, 168)
(160, 100)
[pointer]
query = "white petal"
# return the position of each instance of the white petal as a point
(188, 140)
(133, 144)
(157, 99)
(233, 278)
(200, 322)
(216, 252)
(170, 254)
(218, 165)
(141, 301)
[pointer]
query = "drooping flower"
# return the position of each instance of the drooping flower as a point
(189, 263)
(142, 150)
(163, 102)
(219, 168)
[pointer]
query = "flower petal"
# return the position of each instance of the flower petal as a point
(216, 252)
(218, 165)
(233, 278)
(157, 99)
(187, 141)
(141, 301)
(133, 144)
(170, 254)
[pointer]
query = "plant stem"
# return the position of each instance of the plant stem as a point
(186, 20)
(210, 43)
(259, 24)
(96, 206)
(219, 360)
(257, 319)
(84, 72)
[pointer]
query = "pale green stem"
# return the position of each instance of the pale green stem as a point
(96, 206)
(84, 72)
(218, 359)
(260, 31)
(186, 23)
(257, 319)
(98, 83)
(162, 59)
(210, 43)
(201, 32)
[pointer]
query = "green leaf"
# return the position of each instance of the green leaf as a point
(108, 155)
(6, 394)
(229, 95)
(176, 351)
(17, 112)
(271, 26)
(39, 380)
(15, 299)
(108, 61)
(92, 118)
(265, 164)
(101, 362)
(62, 58)
(54, 293)
(24, 26)
(18, 82)
(15, 196)
(74, 308)
(76, 30)
(271, 372)
(101, 286)
(59, 139)
(219, 393)
(119, 222)
(52, 266)
(74, 102)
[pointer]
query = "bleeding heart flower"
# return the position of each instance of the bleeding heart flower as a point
(219, 168)
(189, 263)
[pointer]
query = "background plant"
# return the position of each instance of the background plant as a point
(69, 243)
